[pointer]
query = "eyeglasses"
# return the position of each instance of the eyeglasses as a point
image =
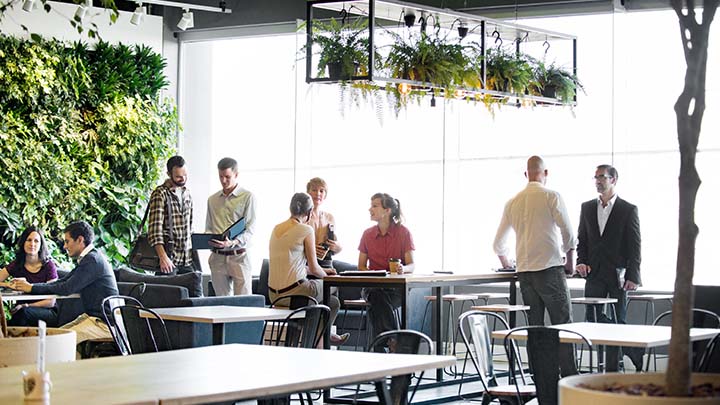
(602, 177)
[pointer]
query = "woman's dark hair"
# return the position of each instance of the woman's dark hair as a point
(300, 204)
(393, 204)
(43, 255)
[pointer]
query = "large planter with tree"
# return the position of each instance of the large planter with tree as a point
(689, 110)
(573, 390)
(21, 344)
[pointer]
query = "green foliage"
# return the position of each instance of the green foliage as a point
(554, 81)
(346, 45)
(507, 71)
(82, 133)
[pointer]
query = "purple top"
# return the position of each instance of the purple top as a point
(47, 272)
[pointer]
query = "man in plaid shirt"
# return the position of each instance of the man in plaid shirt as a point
(170, 220)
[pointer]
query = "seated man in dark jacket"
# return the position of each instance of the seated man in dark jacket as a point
(92, 278)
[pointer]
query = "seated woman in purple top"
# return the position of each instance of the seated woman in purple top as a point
(389, 239)
(32, 263)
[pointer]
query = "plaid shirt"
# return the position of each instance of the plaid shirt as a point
(181, 217)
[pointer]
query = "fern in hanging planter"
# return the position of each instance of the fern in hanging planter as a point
(344, 48)
(552, 81)
(507, 72)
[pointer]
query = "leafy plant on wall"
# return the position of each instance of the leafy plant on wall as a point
(83, 135)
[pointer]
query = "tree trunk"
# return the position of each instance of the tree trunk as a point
(689, 109)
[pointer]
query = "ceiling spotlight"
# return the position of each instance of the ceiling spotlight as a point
(187, 20)
(223, 5)
(138, 16)
(82, 11)
(432, 101)
(409, 19)
(29, 5)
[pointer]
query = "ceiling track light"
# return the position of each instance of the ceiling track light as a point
(29, 5)
(189, 6)
(187, 20)
(138, 16)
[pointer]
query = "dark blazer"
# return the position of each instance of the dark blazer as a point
(619, 245)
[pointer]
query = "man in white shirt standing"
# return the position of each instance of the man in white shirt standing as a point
(229, 262)
(535, 214)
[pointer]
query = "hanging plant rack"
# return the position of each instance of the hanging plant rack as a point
(484, 33)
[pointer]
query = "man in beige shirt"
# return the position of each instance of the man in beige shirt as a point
(230, 267)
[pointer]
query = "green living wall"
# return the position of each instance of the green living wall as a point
(84, 134)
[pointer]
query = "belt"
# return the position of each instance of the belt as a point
(288, 288)
(236, 252)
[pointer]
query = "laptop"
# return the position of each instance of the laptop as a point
(202, 240)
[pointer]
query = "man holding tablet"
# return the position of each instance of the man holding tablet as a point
(230, 268)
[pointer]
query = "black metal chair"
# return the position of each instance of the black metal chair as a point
(289, 302)
(303, 328)
(134, 334)
(401, 341)
(475, 332)
(701, 318)
(544, 354)
(710, 360)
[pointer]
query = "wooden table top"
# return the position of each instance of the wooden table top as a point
(423, 278)
(36, 297)
(213, 373)
(611, 334)
(220, 314)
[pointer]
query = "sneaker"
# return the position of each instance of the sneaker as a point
(636, 355)
(339, 340)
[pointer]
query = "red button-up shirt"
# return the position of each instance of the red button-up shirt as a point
(381, 248)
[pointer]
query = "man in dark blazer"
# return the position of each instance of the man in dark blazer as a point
(609, 254)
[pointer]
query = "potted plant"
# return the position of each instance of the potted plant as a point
(552, 81)
(426, 58)
(507, 72)
(344, 48)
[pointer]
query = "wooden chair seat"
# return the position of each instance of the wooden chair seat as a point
(356, 303)
(502, 308)
(453, 297)
(511, 390)
(593, 300)
(650, 297)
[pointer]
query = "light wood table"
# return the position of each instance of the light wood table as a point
(611, 334)
(404, 282)
(212, 374)
(219, 315)
(20, 296)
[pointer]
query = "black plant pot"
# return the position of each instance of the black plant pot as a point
(336, 71)
(549, 91)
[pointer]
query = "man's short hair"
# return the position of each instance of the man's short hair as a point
(611, 171)
(175, 161)
(81, 228)
(228, 163)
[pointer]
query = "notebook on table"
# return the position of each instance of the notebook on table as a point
(364, 273)
(202, 240)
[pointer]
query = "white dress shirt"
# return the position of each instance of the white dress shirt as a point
(535, 214)
(603, 213)
(224, 211)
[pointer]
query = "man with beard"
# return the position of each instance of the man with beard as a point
(170, 220)
(609, 254)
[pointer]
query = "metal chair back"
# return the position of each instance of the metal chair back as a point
(134, 334)
(304, 327)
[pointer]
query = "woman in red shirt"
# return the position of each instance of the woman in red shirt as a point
(389, 239)
(33, 263)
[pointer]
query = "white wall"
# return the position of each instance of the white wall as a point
(56, 24)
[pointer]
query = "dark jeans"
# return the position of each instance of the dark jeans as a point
(602, 287)
(31, 315)
(547, 289)
(383, 302)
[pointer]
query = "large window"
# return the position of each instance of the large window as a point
(455, 165)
